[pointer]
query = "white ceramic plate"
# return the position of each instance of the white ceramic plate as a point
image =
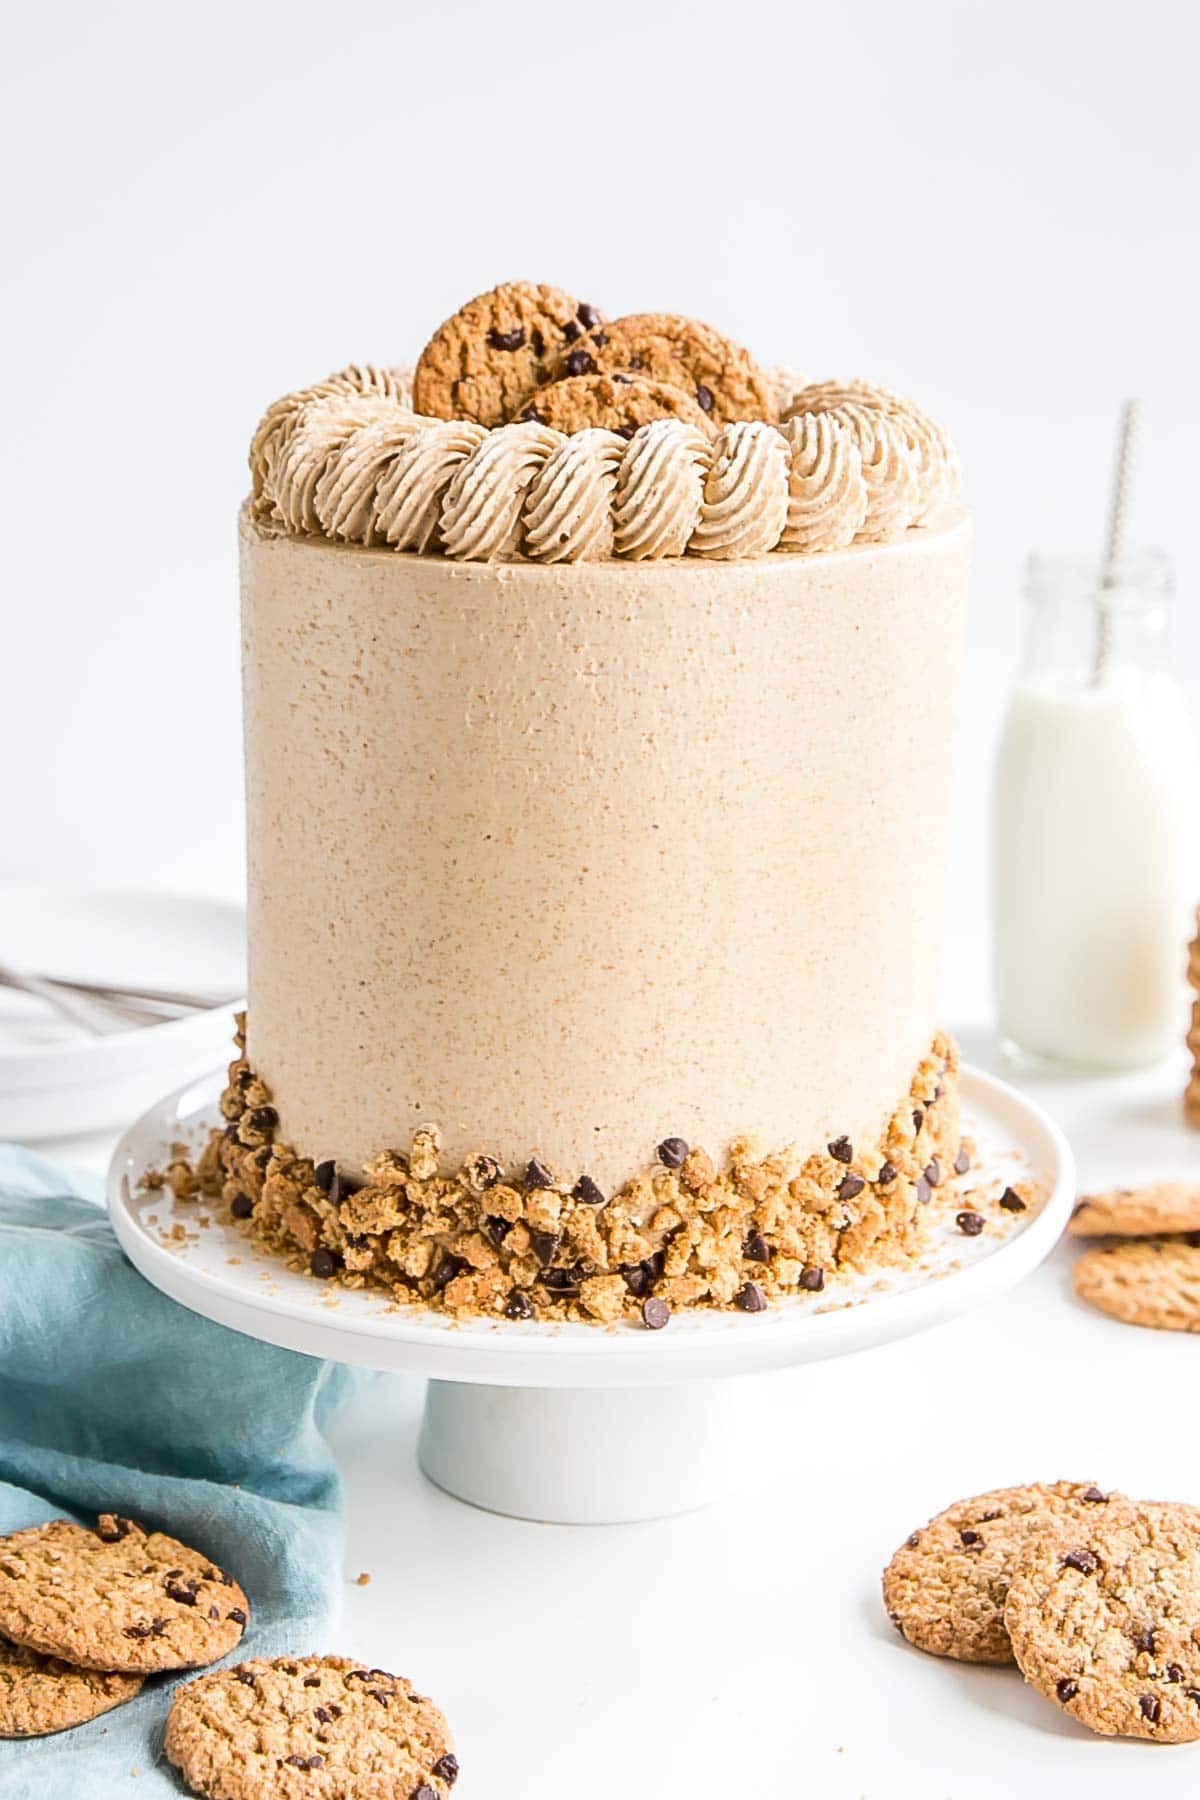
(58, 1080)
(216, 1271)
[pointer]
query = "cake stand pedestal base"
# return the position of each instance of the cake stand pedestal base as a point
(589, 1456)
(554, 1420)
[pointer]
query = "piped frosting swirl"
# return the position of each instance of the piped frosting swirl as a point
(827, 494)
(569, 504)
(745, 493)
(659, 490)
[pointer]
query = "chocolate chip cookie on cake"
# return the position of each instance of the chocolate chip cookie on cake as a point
(489, 356)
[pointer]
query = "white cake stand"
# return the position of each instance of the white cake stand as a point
(576, 1423)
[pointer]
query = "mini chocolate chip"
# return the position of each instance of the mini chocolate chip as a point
(214, 1612)
(886, 1175)
(635, 362)
(1066, 1689)
(970, 1537)
(571, 330)
(497, 1229)
(537, 1175)
(323, 1262)
(1086, 1561)
(842, 1150)
(507, 340)
(237, 1615)
(158, 1627)
(325, 1174)
(1193, 1694)
(655, 1313)
(424, 1792)
(312, 1681)
(244, 1078)
(446, 1768)
(918, 1120)
(969, 1223)
(672, 1153)
(264, 1118)
(137, 1631)
(751, 1298)
(757, 1247)
(924, 1191)
(625, 431)
(379, 1694)
(114, 1529)
(563, 1281)
(183, 1594)
(241, 1206)
(1174, 1672)
(447, 1268)
(231, 1132)
(962, 1162)
(247, 1679)
(335, 1710)
(704, 398)
(545, 1245)
(532, 416)
(654, 1264)
(1093, 1494)
(1151, 1707)
(518, 1305)
(625, 380)
(588, 315)
(636, 1278)
(1011, 1201)
(850, 1185)
(812, 1279)
(483, 1171)
(580, 363)
(933, 1172)
(600, 338)
(537, 343)
(987, 1517)
(1144, 1640)
(914, 1538)
(585, 1189)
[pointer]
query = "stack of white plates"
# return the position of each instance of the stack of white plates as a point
(59, 1080)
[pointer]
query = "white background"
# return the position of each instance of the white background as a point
(993, 207)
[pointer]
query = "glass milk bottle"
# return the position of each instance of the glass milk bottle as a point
(1096, 822)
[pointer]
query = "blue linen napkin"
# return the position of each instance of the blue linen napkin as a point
(114, 1398)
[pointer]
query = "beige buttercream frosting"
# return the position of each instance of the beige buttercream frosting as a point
(408, 499)
(659, 491)
(280, 419)
(936, 463)
(481, 511)
(344, 500)
(568, 507)
(827, 492)
(348, 459)
(745, 493)
(785, 383)
(315, 440)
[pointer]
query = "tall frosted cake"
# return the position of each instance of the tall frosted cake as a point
(600, 692)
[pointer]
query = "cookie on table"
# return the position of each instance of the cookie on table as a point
(39, 1694)
(1143, 1281)
(292, 1727)
(1152, 1210)
(944, 1589)
(1103, 1620)
(617, 403)
(725, 381)
(117, 1598)
(486, 359)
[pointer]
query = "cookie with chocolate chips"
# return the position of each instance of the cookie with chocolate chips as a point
(1102, 1618)
(39, 1694)
(944, 1589)
(1144, 1281)
(291, 1727)
(723, 379)
(117, 1598)
(1152, 1210)
(486, 359)
(618, 403)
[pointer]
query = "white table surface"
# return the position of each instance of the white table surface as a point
(743, 1649)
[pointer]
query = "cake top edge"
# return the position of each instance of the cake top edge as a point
(533, 429)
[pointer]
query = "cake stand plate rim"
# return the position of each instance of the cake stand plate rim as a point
(288, 1309)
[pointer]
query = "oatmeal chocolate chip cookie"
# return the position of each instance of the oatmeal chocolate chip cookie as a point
(1103, 1620)
(485, 360)
(39, 1694)
(944, 1588)
(116, 1598)
(1152, 1210)
(725, 381)
(1144, 1281)
(288, 1728)
(617, 403)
